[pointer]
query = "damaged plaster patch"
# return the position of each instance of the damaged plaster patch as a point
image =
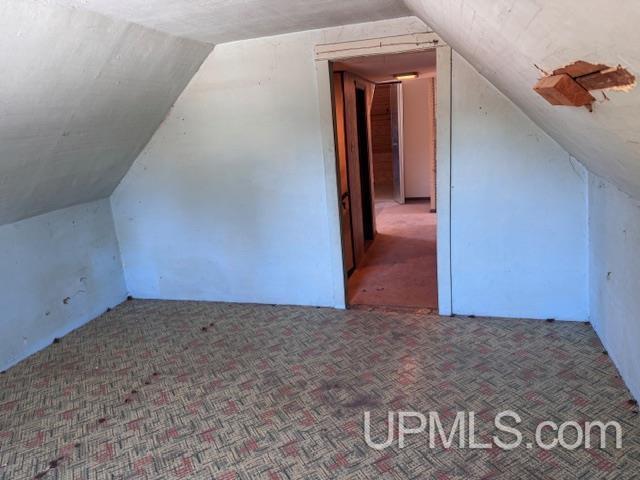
(570, 85)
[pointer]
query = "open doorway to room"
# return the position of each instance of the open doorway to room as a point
(385, 126)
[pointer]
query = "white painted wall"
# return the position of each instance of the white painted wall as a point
(80, 96)
(70, 253)
(518, 203)
(417, 138)
(229, 200)
(614, 231)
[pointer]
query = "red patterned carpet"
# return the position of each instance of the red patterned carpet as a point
(169, 390)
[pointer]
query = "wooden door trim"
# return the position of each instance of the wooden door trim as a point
(399, 102)
(413, 42)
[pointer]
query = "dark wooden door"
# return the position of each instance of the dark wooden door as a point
(358, 96)
(343, 171)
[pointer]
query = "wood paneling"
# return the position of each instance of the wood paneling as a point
(381, 120)
(381, 138)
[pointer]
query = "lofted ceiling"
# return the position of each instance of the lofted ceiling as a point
(80, 96)
(508, 41)
(218, 21)
(86, 83)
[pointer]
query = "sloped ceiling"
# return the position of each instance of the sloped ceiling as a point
(80, 96)
(218, 21)
(85, 83)
(505, 39)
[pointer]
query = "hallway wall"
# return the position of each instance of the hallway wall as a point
(418, 133)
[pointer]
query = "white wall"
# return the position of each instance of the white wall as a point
(518, 202)
(229, 200)
(417, 138)
(70, 253)
(614, 259)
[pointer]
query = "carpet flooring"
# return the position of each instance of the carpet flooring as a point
(169, 390)
(399, 268)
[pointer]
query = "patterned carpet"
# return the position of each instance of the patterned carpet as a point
(204, 390)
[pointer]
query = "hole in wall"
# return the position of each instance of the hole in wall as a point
(571, 85)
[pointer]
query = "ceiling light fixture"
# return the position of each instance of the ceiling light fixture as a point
(405, 76)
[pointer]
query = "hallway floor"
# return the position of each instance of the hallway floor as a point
(400, 266)
(191, 390)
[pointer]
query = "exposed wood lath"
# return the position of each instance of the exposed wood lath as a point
(563, 90)
(570, 85)
(616, 78)
(579, 68)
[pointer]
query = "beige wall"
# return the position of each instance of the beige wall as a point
(418, 131)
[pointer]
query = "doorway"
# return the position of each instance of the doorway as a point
(385, 134)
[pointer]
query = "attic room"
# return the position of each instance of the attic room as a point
(219, 260)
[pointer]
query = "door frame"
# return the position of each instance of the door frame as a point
(324, 56)
(400, 119)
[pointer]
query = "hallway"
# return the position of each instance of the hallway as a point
(400, 266)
